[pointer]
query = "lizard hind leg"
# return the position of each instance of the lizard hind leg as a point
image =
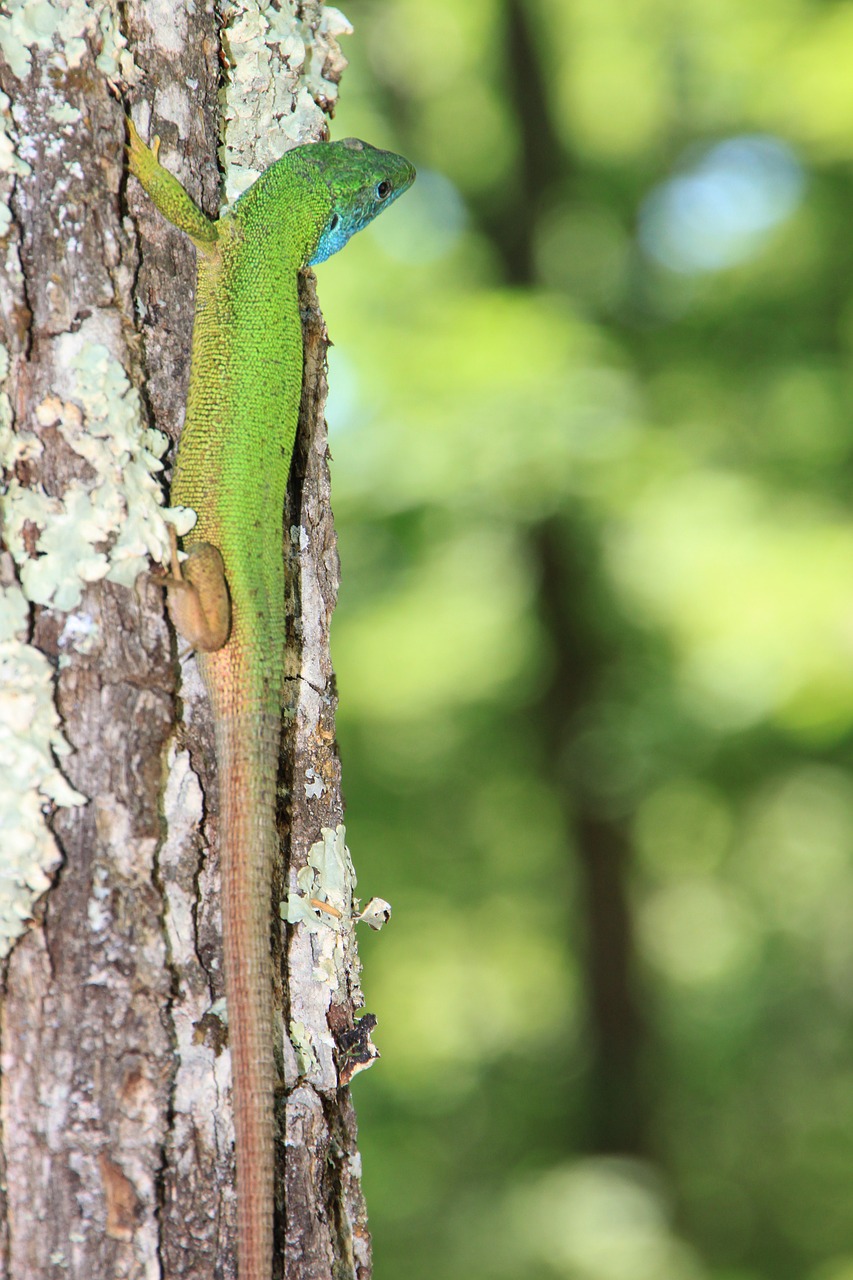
(197, 596)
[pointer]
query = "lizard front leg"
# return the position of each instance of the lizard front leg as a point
(171, 199)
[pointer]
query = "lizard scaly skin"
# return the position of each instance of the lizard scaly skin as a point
(232, 467)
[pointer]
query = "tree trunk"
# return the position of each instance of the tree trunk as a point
(117, 1138)
(617, 1103)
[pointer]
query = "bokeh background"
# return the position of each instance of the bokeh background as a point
(592, 417)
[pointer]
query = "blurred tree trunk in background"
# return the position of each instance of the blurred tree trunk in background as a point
(615, 1119)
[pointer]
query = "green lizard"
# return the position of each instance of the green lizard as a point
(227, 598)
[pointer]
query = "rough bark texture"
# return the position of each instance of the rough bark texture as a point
(326, 1229)
(115, 1105)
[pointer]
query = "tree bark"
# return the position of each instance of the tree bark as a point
(117, 1138)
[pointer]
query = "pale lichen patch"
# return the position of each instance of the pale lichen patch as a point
(314, 785)
(80, 633)
(64, 113)
(282, 74)
(10, 161)
(30, 742)
(12, 164)
(324, 904)
(175, 105)
(62, 29)
(168, 23)
(307, 1061)
(30, 736)
(108, 524)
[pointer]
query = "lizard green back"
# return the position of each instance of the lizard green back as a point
(232, 469)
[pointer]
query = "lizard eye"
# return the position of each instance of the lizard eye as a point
(383, 190)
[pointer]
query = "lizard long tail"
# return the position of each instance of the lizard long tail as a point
(247, 754)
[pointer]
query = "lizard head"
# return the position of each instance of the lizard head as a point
(362, 182)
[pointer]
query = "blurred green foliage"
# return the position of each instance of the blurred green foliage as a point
(590, 415)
